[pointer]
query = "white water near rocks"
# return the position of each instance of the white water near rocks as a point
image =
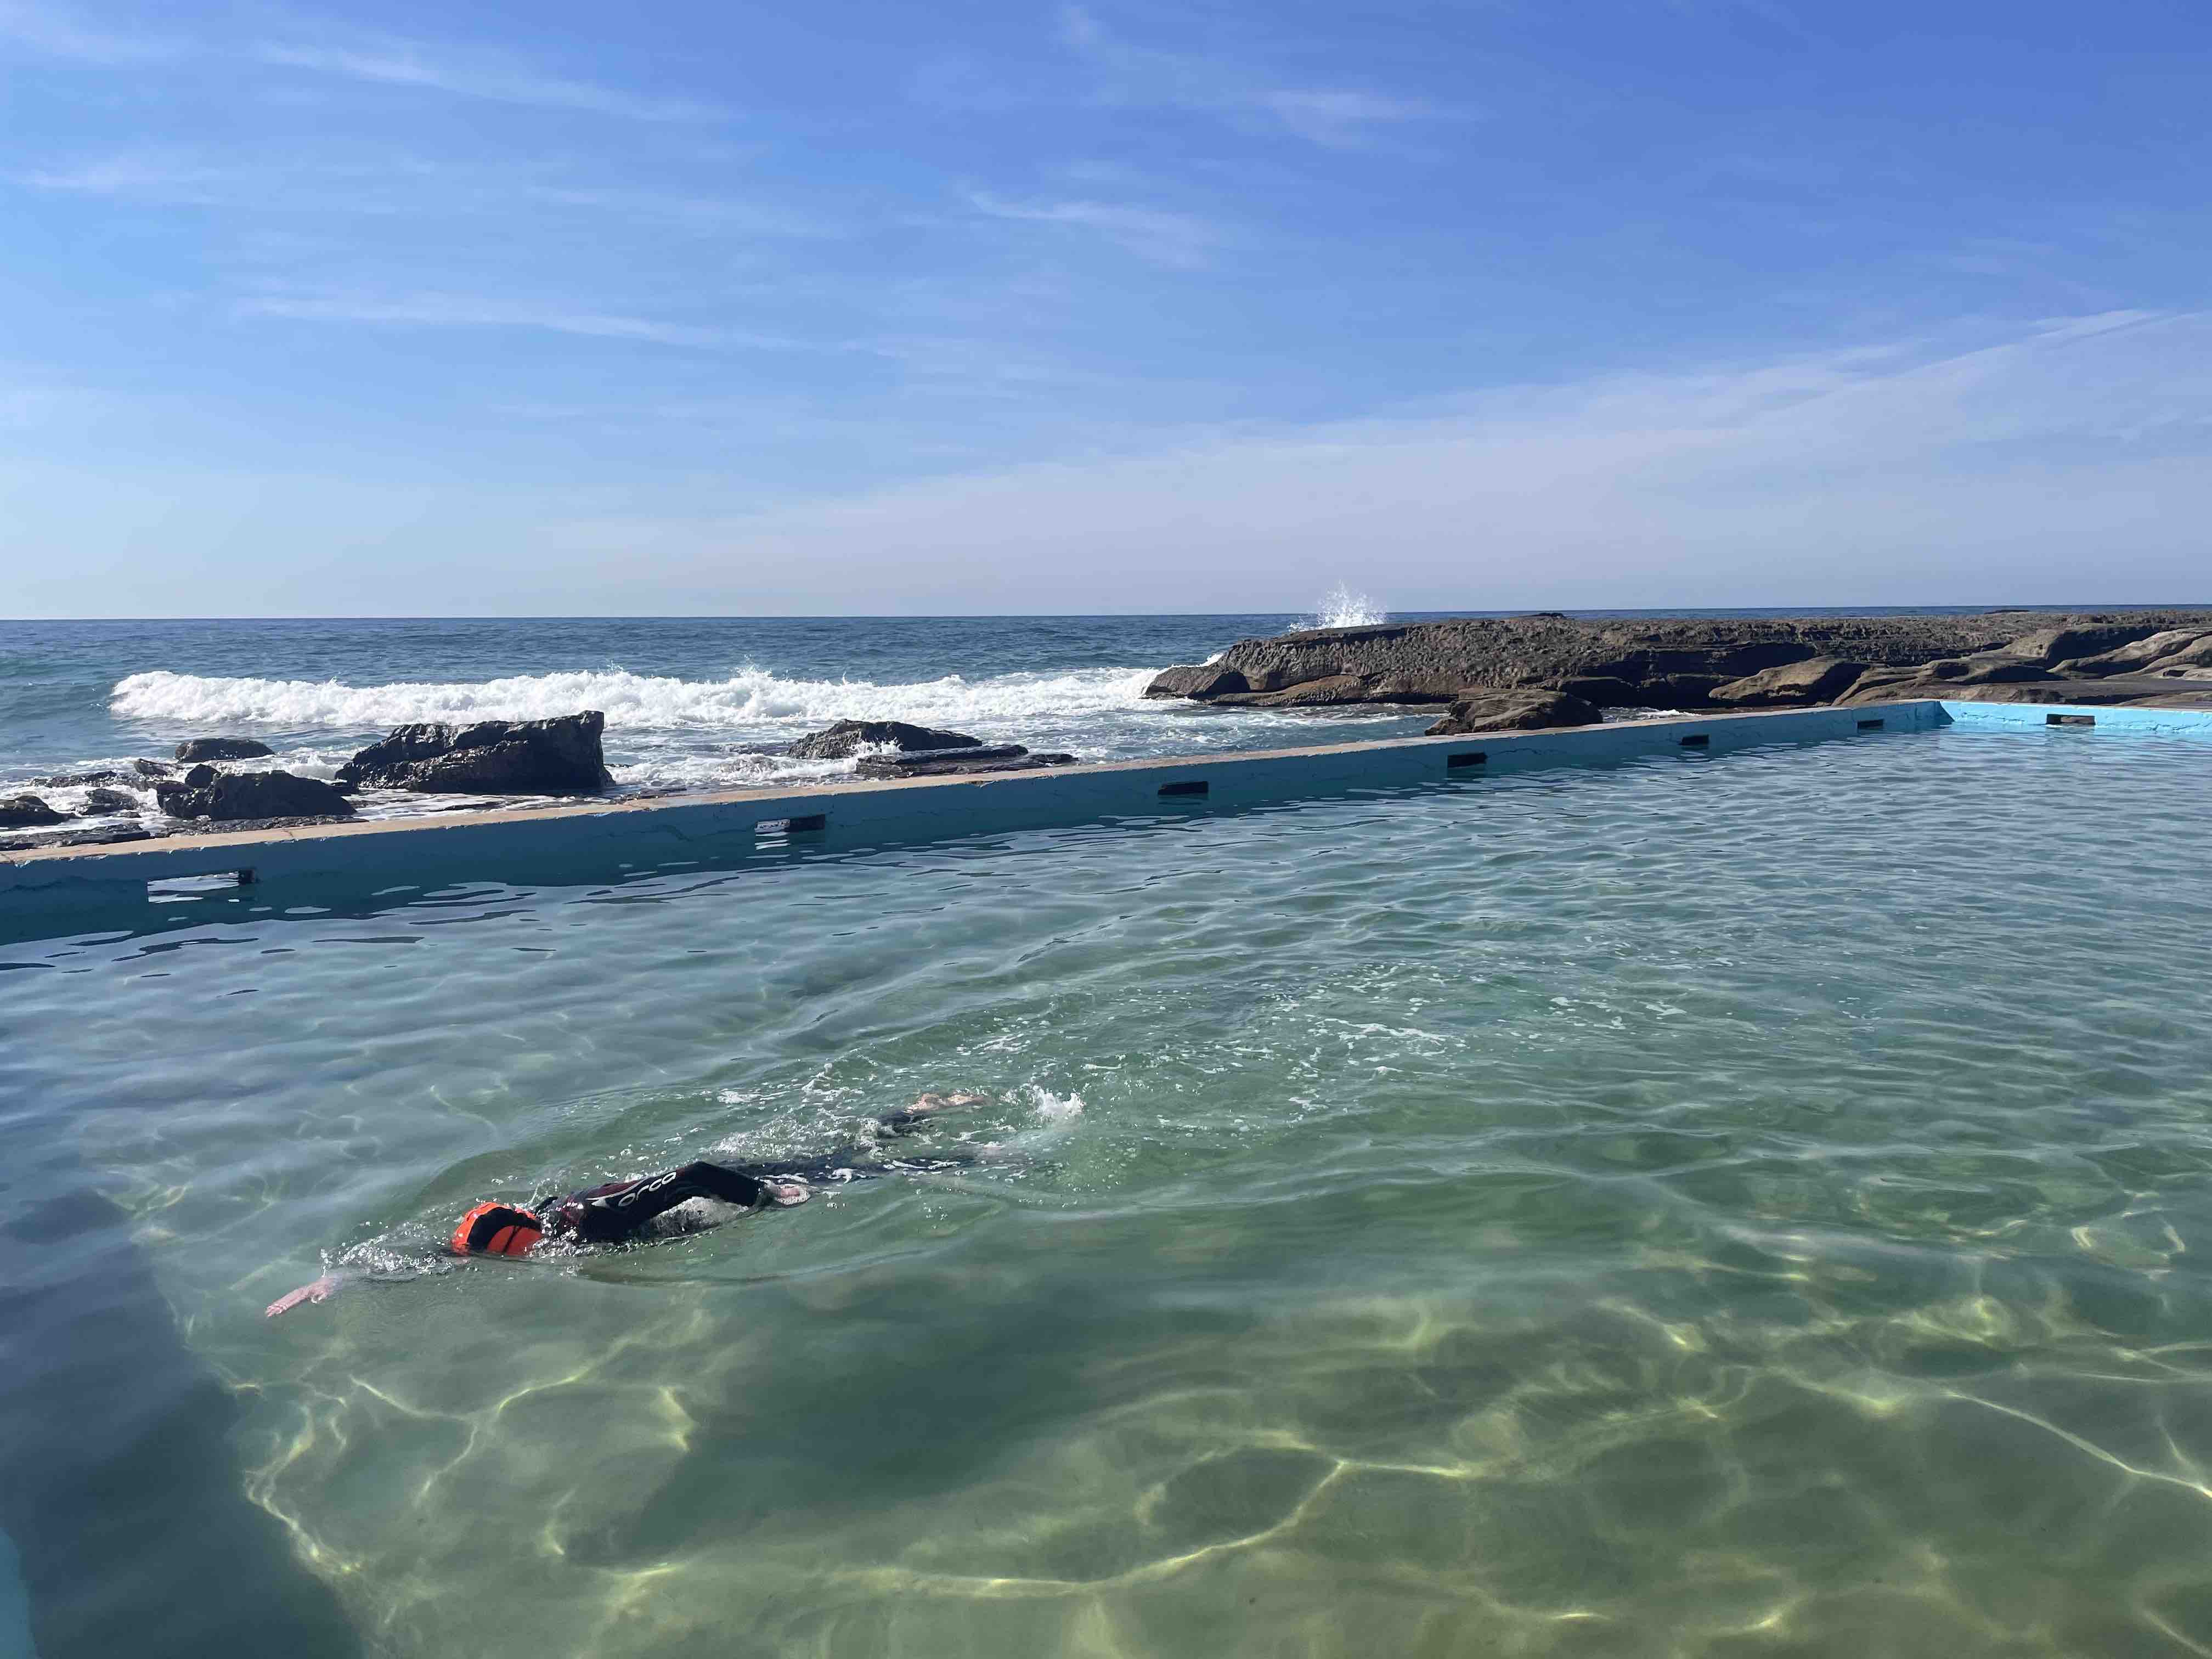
(1713, 1207)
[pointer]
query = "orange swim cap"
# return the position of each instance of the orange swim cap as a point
(497, 1229)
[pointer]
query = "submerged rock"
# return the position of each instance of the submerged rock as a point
(1007, 757)
(28, 811)
(230, 797)
(77, 780)
(97, 801)
(558, 756)
(1515, 711)
(848, 737)
(77, 838)
(216, 748)
(153, 768)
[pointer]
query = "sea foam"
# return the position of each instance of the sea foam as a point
(750, 697)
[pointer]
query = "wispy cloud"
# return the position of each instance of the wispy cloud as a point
(1178, 240)
(373, 180)
(473, 72)
(458, 70)
(475, 310)
(1339, 118)
(53, 32)
(2075, 452)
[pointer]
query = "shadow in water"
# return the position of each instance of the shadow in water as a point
(118, 1480)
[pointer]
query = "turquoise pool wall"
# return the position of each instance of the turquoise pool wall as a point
(491, 844)
(642, 835)
(2043, 716)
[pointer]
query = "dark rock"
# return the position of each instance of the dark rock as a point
(28, 811)
(956, 765)
(2069, 638)
(208, 748)
(1816, 679)
(77, 838)
(1202, 681)
(2196, 655)
(906, 763)
(848, 738)
(199, 777)
(76, 780)
(1603, 690)
(203, 826)
(558, 756)
(2134, 659)
(1414, 688)
(97, 801)
(1992, 668)
(1682, 690)
(1313, 694)
(2114, 692)
(1484, 710)
(153, 768)
(231, 796)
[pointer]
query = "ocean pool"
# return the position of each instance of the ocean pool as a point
(1733, 1204)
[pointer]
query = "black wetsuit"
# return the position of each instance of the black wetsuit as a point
(621, 1211)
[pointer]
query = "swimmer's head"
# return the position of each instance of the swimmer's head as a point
(497, 1229)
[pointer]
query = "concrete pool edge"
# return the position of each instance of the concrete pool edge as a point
(482, 844)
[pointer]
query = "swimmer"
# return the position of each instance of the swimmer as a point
(625, 1211)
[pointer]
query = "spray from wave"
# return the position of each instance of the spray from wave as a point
(749, 698)
(1342, 608)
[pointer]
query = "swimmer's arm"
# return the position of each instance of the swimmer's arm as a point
(320, 1290)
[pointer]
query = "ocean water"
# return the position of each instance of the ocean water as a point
(1703, 1206)
(686, 699)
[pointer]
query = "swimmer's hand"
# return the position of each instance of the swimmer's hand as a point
(937, 1103)
(778, 1194)
(321, 1290)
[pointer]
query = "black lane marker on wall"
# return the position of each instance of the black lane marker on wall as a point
(2069, 719)
(1698, 740)
(1188, 786)
(1869, 725)
(1465, 757)
(812, 821)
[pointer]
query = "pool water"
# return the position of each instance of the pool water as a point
(1737, 1206)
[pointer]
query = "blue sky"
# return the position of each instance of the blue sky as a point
(857, 307)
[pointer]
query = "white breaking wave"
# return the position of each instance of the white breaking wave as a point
(751, 698)
(1342, 608)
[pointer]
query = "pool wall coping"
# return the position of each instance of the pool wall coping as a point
(479, 843)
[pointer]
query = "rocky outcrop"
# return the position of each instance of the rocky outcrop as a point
(230, 797)
(98, 801)
(216, 748)
(848, 737)
(558, 756)
(28, 813)
(1694, 662)
(153, 768)
(1515, 711)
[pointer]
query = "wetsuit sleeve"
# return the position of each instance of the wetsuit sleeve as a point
(625, 1209)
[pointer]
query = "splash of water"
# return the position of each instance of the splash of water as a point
(1342, 608)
